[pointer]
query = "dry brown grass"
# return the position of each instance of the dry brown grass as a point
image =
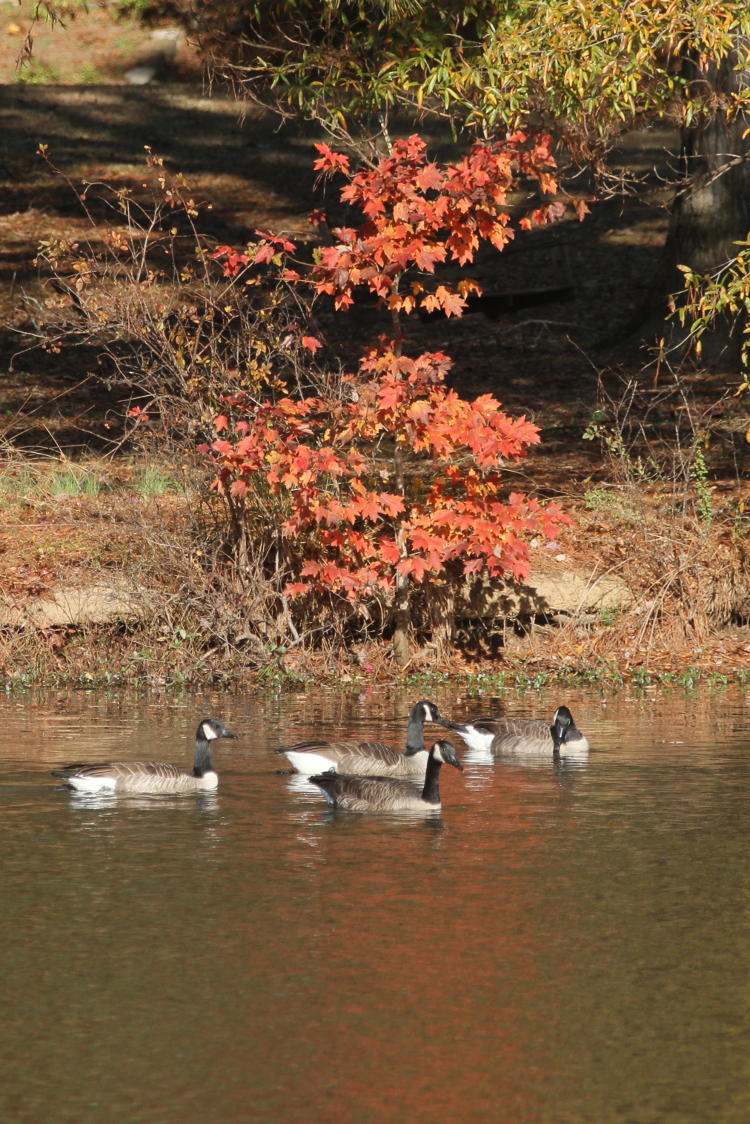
(200, 620)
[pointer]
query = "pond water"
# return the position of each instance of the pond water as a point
(561, 944)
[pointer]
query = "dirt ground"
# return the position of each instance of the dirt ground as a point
(560, 360)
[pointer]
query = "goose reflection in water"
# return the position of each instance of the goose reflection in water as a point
(208, 802)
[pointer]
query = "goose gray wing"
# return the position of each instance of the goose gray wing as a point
(89, 769)
(530, 727)
(362, 794)
(338, 749)
(345, 755)
(129, 776)
(518, 734)
(379, 752)
(489, 725)
(117, 769)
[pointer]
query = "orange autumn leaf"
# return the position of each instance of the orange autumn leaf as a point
(321, 466)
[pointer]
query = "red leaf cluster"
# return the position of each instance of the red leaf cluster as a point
(400, 476)
(319, 460)
(269, 248)
(419, 213)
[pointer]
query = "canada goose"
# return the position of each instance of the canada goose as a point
(150, 776)
(368, 758)
(389, 794)
(531, 737)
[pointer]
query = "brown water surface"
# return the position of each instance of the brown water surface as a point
(561, 945)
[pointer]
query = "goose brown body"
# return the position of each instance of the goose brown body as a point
(530, 737)
(390, 794)
(367, 758)
(150, 776)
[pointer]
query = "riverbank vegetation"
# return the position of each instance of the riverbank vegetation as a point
(353, 447)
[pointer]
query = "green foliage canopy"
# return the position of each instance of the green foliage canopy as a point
(587, 69)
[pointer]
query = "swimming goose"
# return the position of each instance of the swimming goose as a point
(368, 758)
(530, 737)
(389, 794)
(150, 776)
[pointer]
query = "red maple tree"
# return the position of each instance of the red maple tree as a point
(394, 481)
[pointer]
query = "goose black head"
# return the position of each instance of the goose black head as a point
(427, 711)
(562, 725)
(443, 751)
(210, 728)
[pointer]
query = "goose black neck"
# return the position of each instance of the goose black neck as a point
(203, 763)
(415, 732)
(431, 790)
